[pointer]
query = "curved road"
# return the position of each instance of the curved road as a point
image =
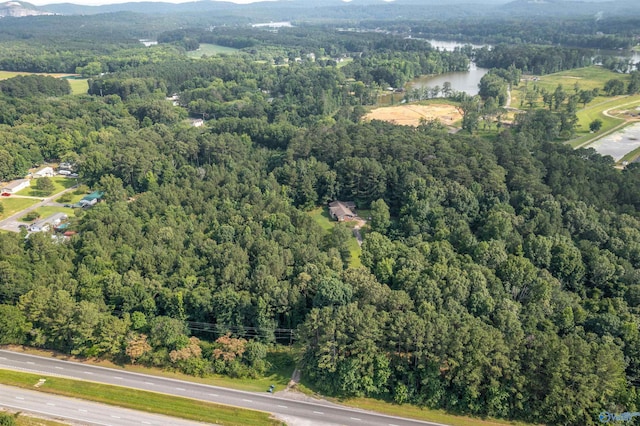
(296, 412)
(79, 411)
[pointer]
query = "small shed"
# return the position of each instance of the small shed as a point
(16, 186)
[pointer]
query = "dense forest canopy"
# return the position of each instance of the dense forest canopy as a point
(500, 275)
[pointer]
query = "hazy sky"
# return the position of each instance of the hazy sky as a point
(101, 2)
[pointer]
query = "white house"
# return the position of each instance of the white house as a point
(16, 186)
(48, 222)
(44, 172)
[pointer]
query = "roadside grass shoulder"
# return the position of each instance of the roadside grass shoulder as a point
(14, 205)
(282, 361)
(23, 419)
(151, 402)
(419, 413)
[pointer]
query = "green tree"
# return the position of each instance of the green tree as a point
(380, 216)
(13, 326)
(44, 185)
(595, 125)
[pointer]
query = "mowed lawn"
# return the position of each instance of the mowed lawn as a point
(78, 86)
(14, 205)
(211, 50)
(59, 185)
(47, 211)
(587, 78)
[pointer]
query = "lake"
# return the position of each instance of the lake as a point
(620, 143)
(466, 81)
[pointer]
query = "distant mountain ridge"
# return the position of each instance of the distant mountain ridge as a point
(18, 9)
(339, 9)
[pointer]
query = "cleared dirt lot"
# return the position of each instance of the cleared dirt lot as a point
(410, 115)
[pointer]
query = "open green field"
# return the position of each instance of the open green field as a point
(211, 50)
(13, 205)
(78, 86)
(59, 184)
(587, 78)
(139, 400)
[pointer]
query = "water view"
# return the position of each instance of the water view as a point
(461, 81)
(620, 143)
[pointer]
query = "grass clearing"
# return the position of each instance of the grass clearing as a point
(13, 205)
(79, 86)
(59, 185)
(47, 211)
(321, 216)
(211, 50)
(139, 400)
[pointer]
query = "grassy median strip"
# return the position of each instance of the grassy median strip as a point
(150, 402)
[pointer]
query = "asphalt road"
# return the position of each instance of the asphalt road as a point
(294, 412)
(78, 411)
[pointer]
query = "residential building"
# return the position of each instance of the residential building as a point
(16, 186)
(48, 222)
(342, 210)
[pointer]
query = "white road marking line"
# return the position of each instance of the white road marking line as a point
(180, 389)
(59, 368)
(247, 400)
(87, 372)
(3, 358)
(213, 394)
(82, 410)
(51, 404)
(391, 424)
(355, 418)
(31, 363)
(49, 413)
(117, 378)
(318, 412)
(283, 406)
(19, 397)
(145, 423)
(115, 417)
(148, 383)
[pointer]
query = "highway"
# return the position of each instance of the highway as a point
(294, 412)
(79, 411)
